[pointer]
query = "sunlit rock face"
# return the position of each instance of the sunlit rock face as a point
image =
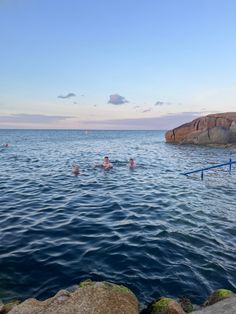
(91, 297)
(211, 129)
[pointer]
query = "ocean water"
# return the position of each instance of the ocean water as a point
(151, 229)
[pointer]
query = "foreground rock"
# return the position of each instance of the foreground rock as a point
(217, 129)
(166, 306)
(7, 307)
(227, 306)
(89, 298)
(219, 295)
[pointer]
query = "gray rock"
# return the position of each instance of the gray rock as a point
(1, 307)
(227, 306)
(216, 135)
(232, 129)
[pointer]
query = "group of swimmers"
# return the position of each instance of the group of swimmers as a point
(106, 165)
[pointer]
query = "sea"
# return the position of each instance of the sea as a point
(150, 228)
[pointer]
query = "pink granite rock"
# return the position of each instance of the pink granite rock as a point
(211, 129)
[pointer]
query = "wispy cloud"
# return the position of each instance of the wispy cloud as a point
(32, 118)
(69, 95)
(162, 103)
(116, 99)
(147, 110)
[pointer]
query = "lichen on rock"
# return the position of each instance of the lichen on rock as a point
(218, 295)
(84, 283)
(166, 306)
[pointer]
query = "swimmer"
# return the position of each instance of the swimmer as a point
(106, 163)
(6, 145)
(131, 163)
(75, 169)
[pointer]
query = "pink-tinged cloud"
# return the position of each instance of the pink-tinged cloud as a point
(168, 121)
(23, 118)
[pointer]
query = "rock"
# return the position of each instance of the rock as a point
(211, 129)
(233, 132)
(166, 306)
(186, 304)
(95, 297)
(9, 306)
(227, 306)
(87, 282)
(1, 307)
(218, 295)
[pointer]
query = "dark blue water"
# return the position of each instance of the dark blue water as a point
(150, 229)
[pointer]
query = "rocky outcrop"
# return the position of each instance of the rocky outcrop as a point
(90, 297)
(107, 298)
(221, 301)
(211, 129)
(227, 306)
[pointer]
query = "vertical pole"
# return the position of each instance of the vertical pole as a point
(230, 165)
(202, 175)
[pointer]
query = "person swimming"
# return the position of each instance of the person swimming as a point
(106, 163)
(131, 163)
(75, 169)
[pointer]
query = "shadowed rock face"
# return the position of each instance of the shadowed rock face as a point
(211, 129)
(227, 306)
(92, 297)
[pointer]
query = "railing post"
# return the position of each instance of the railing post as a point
(230, 165)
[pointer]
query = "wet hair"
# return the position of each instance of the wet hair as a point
(106, 157)
(131, 159)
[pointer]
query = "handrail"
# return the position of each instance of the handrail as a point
(211, 167)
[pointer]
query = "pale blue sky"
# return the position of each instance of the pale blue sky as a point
(180, 53)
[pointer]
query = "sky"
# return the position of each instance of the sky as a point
(115, 64)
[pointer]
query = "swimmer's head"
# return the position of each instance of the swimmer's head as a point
(131, 162)
(106, 159)
(75, 169)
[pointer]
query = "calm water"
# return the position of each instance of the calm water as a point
(150, 229)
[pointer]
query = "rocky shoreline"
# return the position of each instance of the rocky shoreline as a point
(91, 297)
(213, 129)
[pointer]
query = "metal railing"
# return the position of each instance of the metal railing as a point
(230, 163)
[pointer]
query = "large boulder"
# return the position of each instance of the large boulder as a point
(211, 129)
(88, 298)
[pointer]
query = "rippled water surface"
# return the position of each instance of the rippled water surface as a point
(150, 229)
